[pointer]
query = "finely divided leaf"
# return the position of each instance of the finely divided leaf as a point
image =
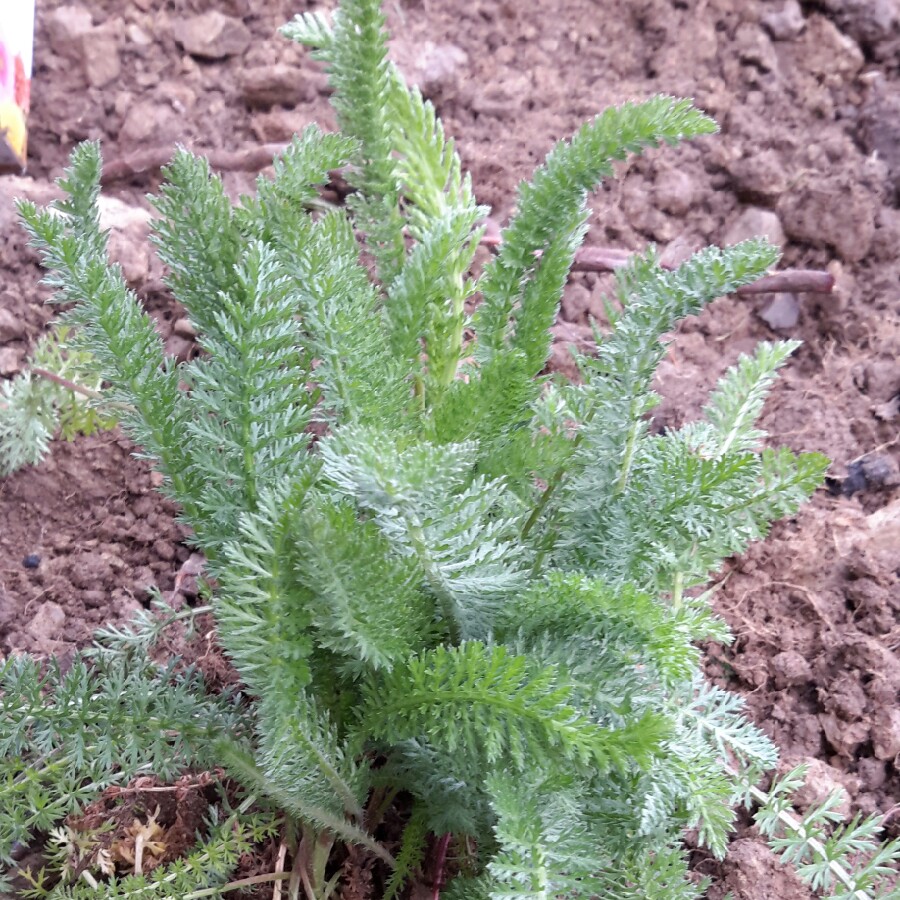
(479, 700)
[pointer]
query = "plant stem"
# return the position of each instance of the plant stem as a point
(440, 860)
(555, 480)
(379, 804)
(279, 870)
(622, 482)
(457, 312)
(236, 885)
(320, 855)
(302, 866)
(678, 590)
(419, 392)
(544, 499)
(815, 845)
(435, 581)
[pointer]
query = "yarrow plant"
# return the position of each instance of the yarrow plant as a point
(470, 604)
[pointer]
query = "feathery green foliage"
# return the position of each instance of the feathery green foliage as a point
(66, 737)
(471, 589)
(33, 407)
(838, 859)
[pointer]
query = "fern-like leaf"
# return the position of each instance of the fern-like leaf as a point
(738, 399)
(367, 606)
(65, 737)
(112, 326)
(262, 611)
(551, 215)
(486, 703)
(360, 74)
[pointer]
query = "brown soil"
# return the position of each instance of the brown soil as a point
(808, 97)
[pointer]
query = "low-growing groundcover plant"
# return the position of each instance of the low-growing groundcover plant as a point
(34, 408)
(472, 602)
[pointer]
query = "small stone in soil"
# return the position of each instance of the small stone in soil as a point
(872, 772)
(782, 313)
(675, 192)
(852, 483)
(265, 86)
(12, 328)
(47, 623)
(755, 222)
(790, 669)
(183, 328)
(32, 561)
(822, 781)
(881, 471)
(94, 599)
(212, 35)
(786, 23)
(179, 347)
(129, 227)
(431, 67)
(849, 227)
(884, 411)
(10, 361)
(886, 734)
(876, 472)
(102, 63)
(66, 26)
(760, 177)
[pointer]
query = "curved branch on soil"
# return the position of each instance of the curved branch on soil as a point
(587, 259)
(796, 281)
(150, 160)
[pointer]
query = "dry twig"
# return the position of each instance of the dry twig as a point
(587, 259)
(279, 871)
(65, 382)
(799, 281)
(151, 159)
